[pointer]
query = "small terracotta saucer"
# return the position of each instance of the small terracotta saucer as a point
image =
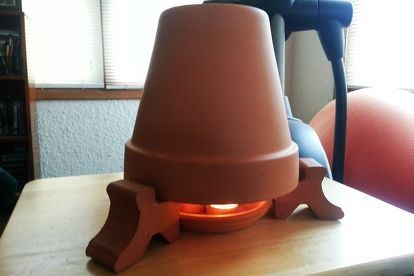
(198, 218)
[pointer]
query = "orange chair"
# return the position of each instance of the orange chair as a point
(379, 157)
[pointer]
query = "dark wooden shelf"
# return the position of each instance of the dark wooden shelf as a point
(10, 12)
(11, 78)
(13, 139)
(15, 88)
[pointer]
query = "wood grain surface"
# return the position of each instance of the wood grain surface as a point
(55, 219)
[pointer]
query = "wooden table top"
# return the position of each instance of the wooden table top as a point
(55, 218)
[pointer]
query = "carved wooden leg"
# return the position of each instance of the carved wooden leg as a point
(134, 217)
(309, 191)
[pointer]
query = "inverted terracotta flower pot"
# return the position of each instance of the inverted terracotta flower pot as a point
(211, 126)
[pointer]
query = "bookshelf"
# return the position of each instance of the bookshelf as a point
(15, 98)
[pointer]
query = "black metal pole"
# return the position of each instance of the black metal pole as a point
(341, 91)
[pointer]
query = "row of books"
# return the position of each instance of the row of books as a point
(12, 120)
(15, 163)
(11, 62)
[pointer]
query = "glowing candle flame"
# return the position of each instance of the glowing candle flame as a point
(221, 209)
(224, 206)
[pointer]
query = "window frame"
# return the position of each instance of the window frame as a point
(62, 94)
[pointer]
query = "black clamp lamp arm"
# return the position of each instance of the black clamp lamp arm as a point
(329, 18)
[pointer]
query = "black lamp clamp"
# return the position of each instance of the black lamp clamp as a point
(329, 18)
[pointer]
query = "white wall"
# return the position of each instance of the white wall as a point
(84, 137)
(309, 80)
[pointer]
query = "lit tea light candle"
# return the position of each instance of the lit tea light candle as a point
(220, 218)
(219, 209)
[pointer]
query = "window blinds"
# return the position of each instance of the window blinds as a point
(129, 28)
(64, 43)
(91, 43)
(380, 44)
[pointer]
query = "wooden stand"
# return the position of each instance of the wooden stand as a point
(309, 191)
(134, 218)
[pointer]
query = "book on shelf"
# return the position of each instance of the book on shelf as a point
(12, 117)
(11, 62)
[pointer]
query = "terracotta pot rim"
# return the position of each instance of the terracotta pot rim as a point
(290, 150)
